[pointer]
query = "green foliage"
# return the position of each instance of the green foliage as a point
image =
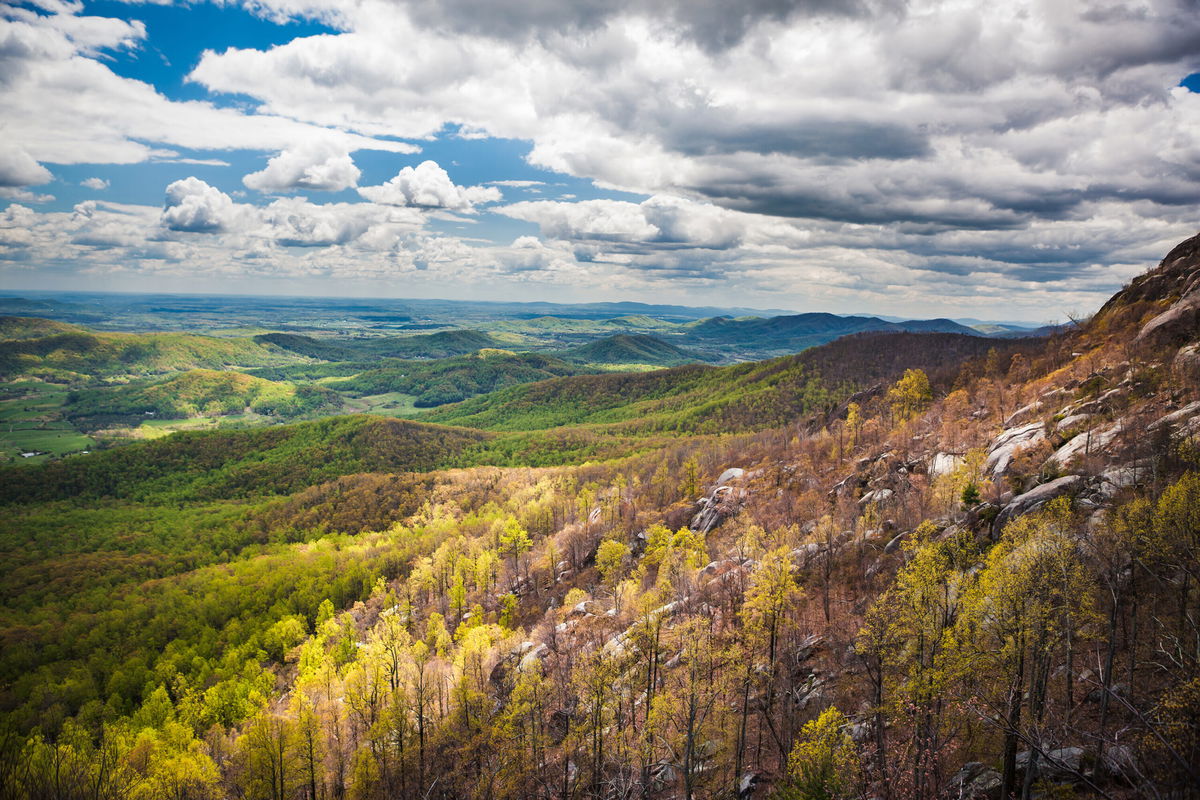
(202, 393)
(625, 348)
(449, 380)
(426, 345)
(610, 561)
(222, 464)
(85, 353)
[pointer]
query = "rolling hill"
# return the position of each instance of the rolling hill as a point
(624, 348)
(200, 393)
(449, 380)
(426, 345)
(707, 399)
(67, 353)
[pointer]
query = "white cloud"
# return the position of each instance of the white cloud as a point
(17, 168)
(63, 105)
(429, 186)
(317, 165)
(94, 183)
(661, 222)
(193, 206)
(853, 155)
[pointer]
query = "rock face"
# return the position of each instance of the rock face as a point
(1177, 278)
(1084, 444)
(1005, 446)
(944, 463)
(1036, 498)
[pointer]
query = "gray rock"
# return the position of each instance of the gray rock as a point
(1005, 446)
(1023, 414)
(1179, 418)
(1087, 443)
(944, 463)
(730, 474)
(876, 496)
(975, 781)
(1037, 497)
(1176, 322)
(1058, 766)
(1073, 421)
(1119, 761)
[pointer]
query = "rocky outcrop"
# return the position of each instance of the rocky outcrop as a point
(1036, 498)
(1086, 443)
(1006, 445)
(1176, 280)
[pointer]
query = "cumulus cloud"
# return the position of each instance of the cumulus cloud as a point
(857, 154)
(94, 183)
(660, 222)
(17, 168)
(429, 186)
(64, 105)
(192, 206)
(318, 165)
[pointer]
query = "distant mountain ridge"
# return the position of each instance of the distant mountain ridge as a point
(796, 332)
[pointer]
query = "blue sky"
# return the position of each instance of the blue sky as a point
(1030, 158)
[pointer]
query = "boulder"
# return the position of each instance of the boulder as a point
(1005, 446)
(1023, 414)
(877, 496)
(1057, 766)
(730, 474)
(1178, 323)
(1036, 498)
(1086, 443)
(975, 781)
(1118, 761)
(944, 463)
(1187, 360)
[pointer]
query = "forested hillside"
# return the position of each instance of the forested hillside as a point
(901, 565)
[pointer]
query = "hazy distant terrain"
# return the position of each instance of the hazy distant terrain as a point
(82, 371)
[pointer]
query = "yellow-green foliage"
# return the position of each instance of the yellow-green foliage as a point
(824, 763)
(910, 395)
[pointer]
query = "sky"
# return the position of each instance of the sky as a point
(1017, 160)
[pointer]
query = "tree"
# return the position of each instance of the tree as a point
(610, 561)
(515, 541)
(824, 763)
(1032, 598)
(910, 395)
(765, 614)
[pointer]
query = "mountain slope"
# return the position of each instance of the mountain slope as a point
(426, 345)
(449, 380)
(707, 399)
(624, 348)
(222, 464)
(78, 352)
(797, 332)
